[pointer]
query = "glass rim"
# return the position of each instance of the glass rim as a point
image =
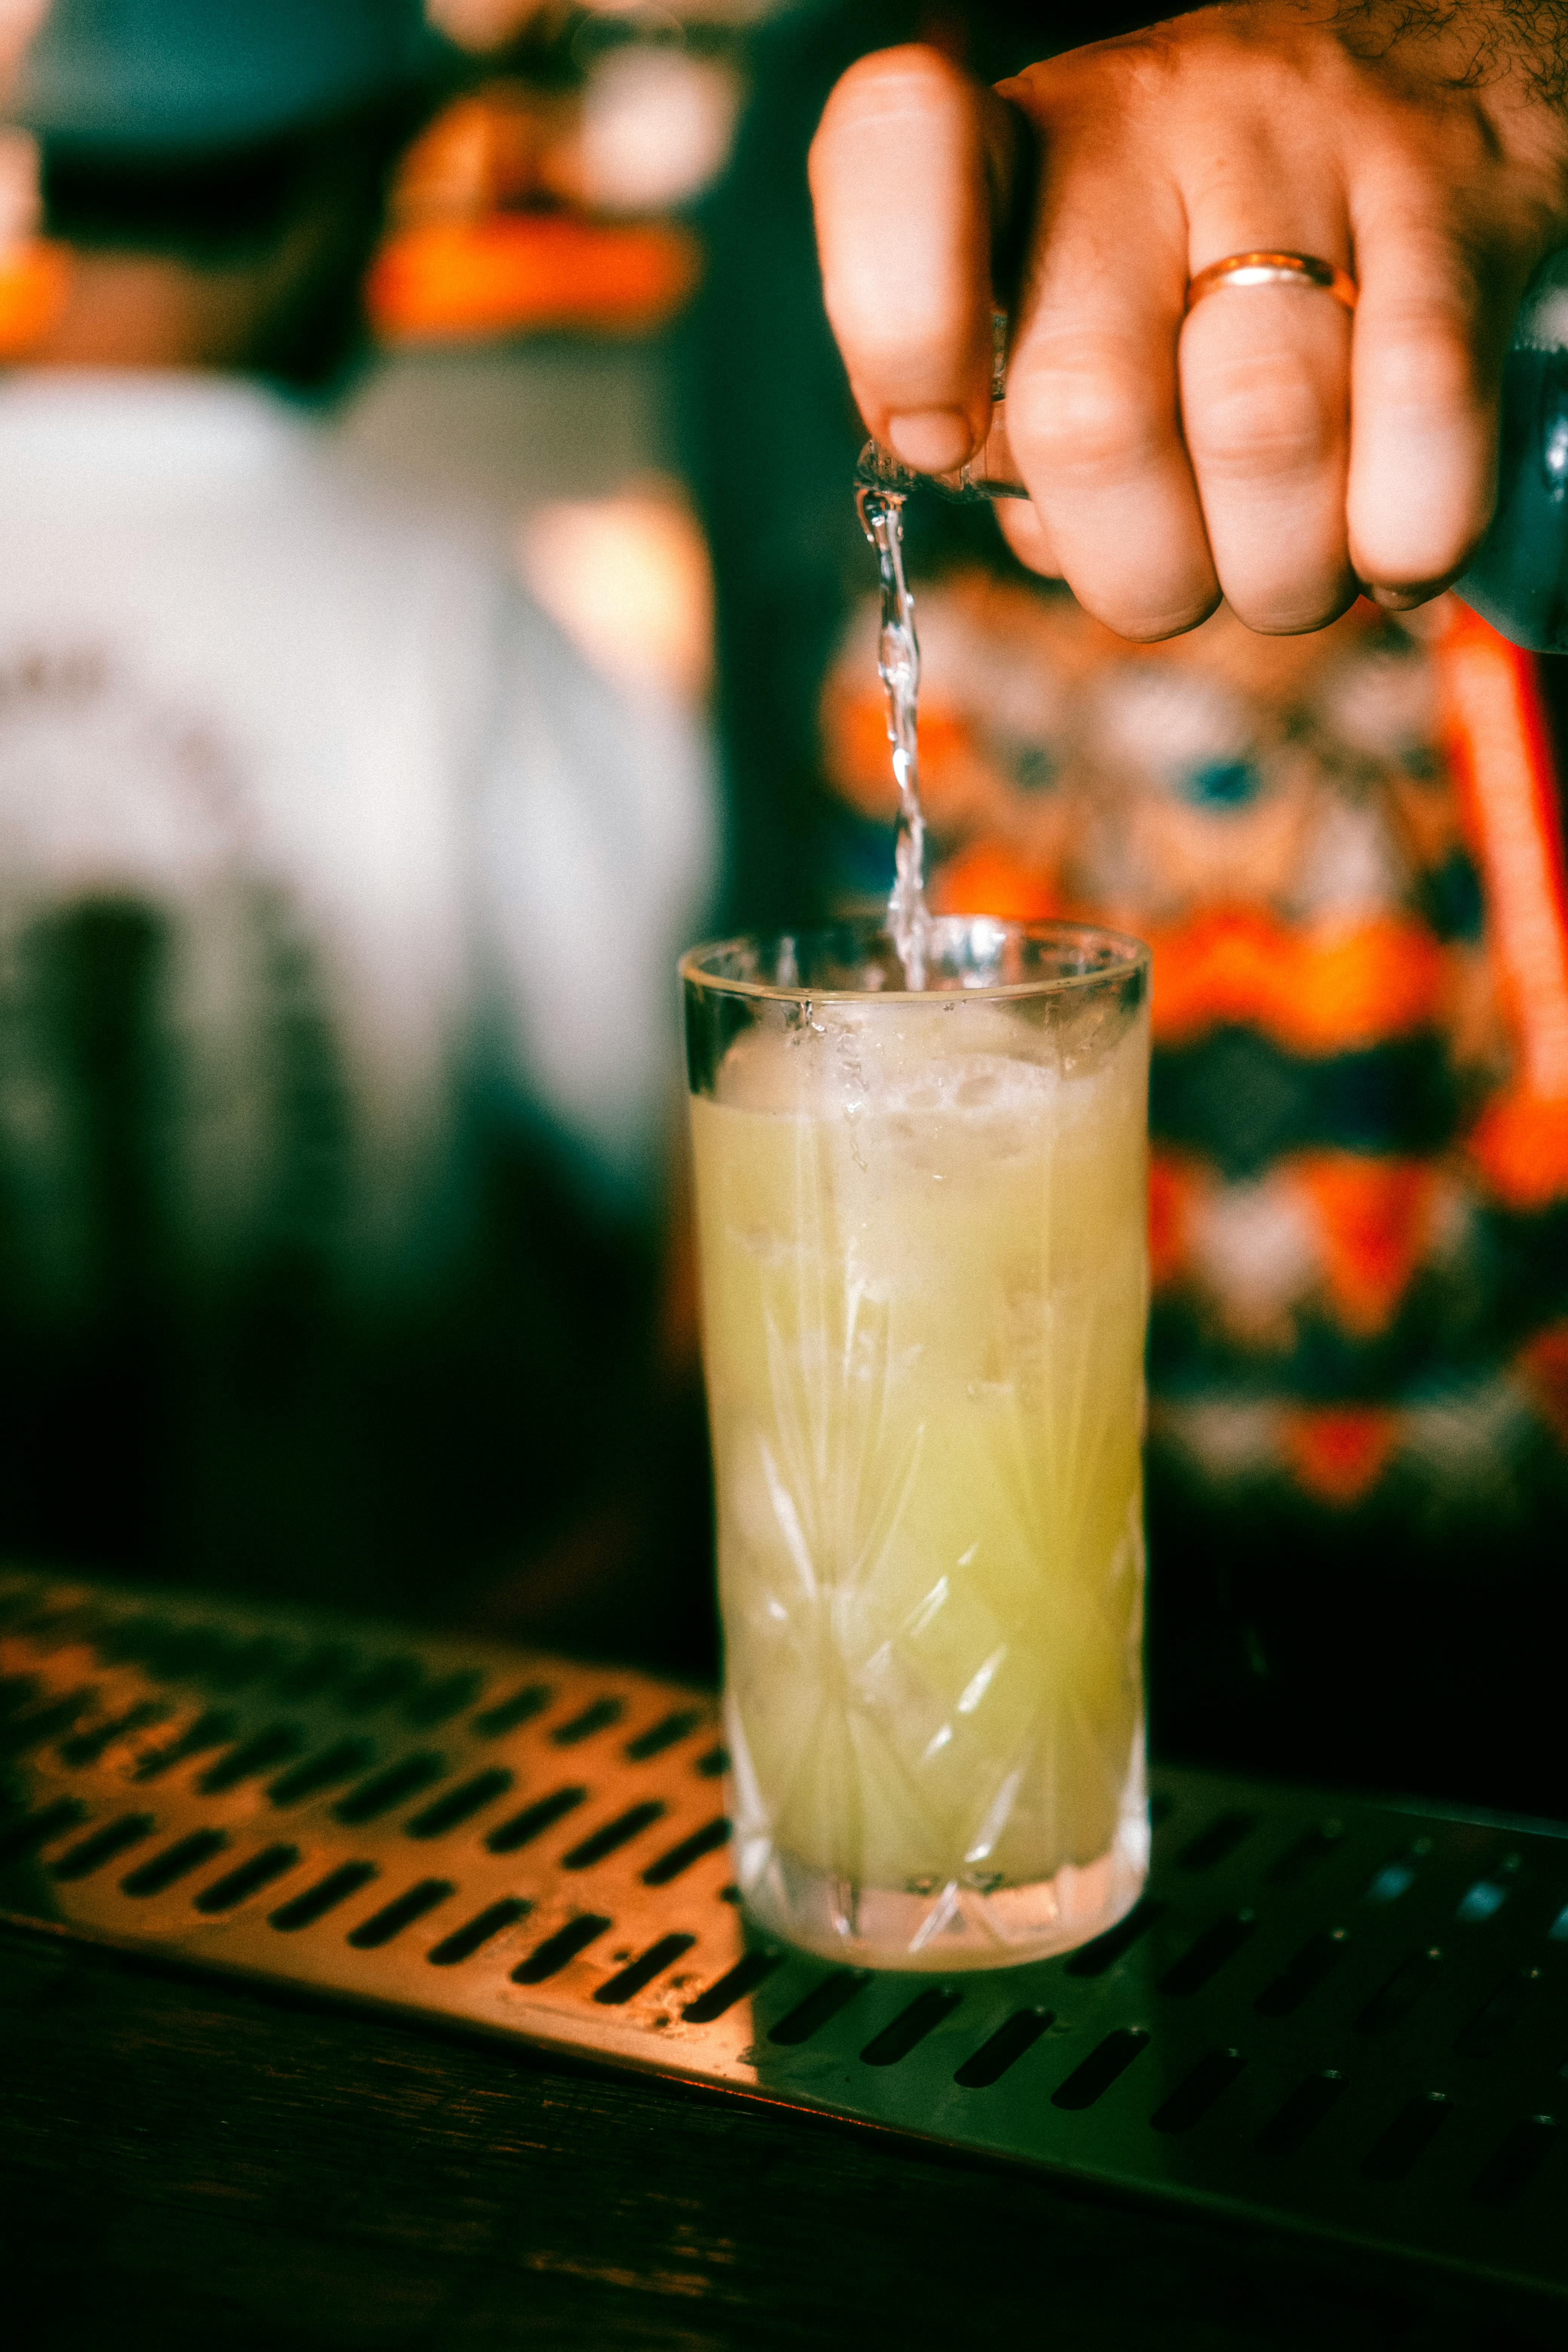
(1132, 955)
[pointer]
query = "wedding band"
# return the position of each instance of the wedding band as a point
(1274, 270)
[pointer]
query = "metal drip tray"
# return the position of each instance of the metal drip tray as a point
(1347, 2017)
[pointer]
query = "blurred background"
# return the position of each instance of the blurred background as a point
(593, 350)
(539, 253)
(517, 378)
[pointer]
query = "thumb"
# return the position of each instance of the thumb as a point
(912, 166)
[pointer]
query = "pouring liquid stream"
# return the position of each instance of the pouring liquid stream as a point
(899, 667)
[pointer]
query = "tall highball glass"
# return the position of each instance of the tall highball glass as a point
(921, 1236)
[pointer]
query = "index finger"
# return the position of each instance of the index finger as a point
(907, 169)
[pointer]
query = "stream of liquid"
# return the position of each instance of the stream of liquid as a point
(898, 665)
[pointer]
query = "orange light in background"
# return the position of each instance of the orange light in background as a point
(987, 880)
(529, 206)
(33, 274)
(521, 272)
(33, 281)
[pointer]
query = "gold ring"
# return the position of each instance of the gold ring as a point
(1274, 270)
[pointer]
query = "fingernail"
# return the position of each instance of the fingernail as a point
(932, 440)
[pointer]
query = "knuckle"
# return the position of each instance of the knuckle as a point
(1262, 421)
(1085, 424)
(1111, 80)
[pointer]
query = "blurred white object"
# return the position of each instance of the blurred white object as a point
(628, 579)
(657, 128)
(241, 692)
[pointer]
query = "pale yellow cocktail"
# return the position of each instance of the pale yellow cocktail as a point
(922, 1226)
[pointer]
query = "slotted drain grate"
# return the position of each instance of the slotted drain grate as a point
(1346, 2017)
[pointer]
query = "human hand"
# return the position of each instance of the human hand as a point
(1265, 447)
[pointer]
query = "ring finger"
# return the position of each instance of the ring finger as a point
(1265, 390)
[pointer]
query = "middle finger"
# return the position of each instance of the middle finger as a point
(1091, 403)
